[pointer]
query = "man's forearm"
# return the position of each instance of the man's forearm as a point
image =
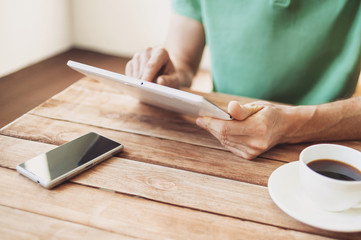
(340, 120)
(185, 43)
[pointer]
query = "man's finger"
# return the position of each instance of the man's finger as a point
(144, 58)
(168, 80)
(222, 127)
(156, 62)
(129, 69)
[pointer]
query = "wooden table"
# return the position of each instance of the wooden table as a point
(172, 181)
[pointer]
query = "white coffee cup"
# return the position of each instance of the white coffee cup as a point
(325, 192)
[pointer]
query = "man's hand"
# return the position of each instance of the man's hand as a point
(176, 66)
(153, 65)
(257, 127)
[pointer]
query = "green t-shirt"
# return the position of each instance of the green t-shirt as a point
(297, 52)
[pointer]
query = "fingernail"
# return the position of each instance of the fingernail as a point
(199, 122)
(160, 81)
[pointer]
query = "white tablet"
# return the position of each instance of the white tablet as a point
(154, 94)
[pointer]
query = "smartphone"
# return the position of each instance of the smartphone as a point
(63, 162)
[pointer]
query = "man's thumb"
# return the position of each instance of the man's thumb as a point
(168, 80)
(241, 112)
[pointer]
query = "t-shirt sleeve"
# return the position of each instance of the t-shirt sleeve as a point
(188, 8)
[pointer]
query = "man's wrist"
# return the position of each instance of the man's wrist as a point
(298, 122)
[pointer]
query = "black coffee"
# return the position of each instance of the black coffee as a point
(335, 169)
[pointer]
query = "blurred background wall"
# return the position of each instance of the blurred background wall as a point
(120, 27)
(32, 30)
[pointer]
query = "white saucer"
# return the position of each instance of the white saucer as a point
(285, 190)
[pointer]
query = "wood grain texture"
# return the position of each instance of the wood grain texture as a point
(93, 103)
(124, 113)
(172, 186)
(149, 149)
(18, 224)
(163, 184)
(173, 179)
(126, 215)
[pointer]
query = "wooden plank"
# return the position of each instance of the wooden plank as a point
(127, 215)
(153, 150)
(99, 105)
(124, 113)
(18, 224)
(191, 190)
(149, 149)
(162, 184)
(284, 152)
(196, 200)
(120, 112)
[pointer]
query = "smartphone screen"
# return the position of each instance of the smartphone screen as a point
(64, 160)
